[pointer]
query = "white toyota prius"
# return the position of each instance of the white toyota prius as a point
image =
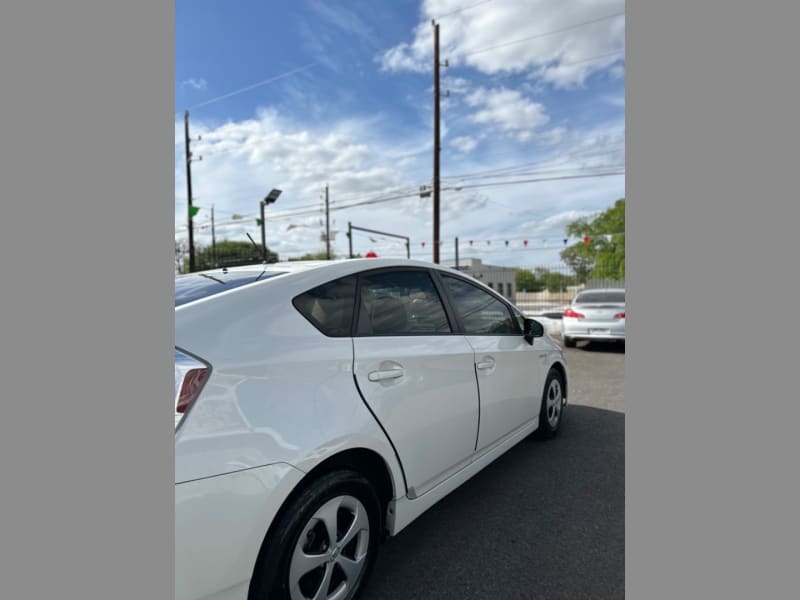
(321, 406)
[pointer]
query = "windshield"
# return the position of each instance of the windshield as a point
(601, 297)
(195, 286)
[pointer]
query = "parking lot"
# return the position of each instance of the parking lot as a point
(545, 521)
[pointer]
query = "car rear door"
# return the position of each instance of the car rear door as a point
(509, 370)
(416, 375)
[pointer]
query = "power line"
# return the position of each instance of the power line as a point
(460, 10)
(495, 183)
(380, 200)
(545, 34)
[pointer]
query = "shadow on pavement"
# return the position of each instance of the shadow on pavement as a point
(609, 347)
(546, 520)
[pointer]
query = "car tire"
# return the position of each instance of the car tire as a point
(551, 410)
(569, 342)
(282, 573)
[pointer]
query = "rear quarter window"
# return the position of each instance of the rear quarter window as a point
(329, 307)
(197, 286)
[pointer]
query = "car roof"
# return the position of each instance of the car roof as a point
(315, 272)
(348, 265)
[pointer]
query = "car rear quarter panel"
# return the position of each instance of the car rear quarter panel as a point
(279, 391)
(220, 523)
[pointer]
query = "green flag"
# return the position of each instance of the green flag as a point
(193, 210)
(258, 222)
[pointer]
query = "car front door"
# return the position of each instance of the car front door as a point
(416, 375)
(508, 372)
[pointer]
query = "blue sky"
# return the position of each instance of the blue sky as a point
(537, 91)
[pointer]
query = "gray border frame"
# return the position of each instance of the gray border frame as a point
(711, 467)
(87, 176)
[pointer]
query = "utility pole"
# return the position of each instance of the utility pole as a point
(189, 190)
(263, 232)
(213, 239)
(435, 142)
(327, 225)
(350, 238)
(456, 252)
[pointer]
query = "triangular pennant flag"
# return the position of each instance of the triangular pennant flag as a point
(526, 243)
(193, 210)
(565, 241)
(259, 222)
(506, 242)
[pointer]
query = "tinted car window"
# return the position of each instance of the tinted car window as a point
(329, 307)
(600, 298)
(195, 286)
(479, 312)
(400, 303)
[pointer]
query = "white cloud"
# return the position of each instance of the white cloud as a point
(464, 143)
(244, 159)
(481, 37)
(402, 58)
(455, 85)
(198, 84)
(507, 109)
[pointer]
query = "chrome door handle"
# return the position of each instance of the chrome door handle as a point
(486, 363)
(384, 375)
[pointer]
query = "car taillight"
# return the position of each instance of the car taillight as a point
(572, 313)
(190, 376)
(620, 315)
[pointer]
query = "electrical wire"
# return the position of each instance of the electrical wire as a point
(544, 34)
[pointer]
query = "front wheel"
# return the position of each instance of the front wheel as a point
(552, 407)
(324, 544)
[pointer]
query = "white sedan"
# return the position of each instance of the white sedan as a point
(322, 406)
(596, 314)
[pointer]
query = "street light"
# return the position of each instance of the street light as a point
(270, 199)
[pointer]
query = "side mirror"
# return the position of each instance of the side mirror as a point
(533, 329)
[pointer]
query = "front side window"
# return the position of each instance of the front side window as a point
(400, 303)
(329, 307)
(479, 312)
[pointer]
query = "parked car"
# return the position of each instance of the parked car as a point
(597, 314)
(322, 406)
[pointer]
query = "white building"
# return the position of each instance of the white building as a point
(501, 279)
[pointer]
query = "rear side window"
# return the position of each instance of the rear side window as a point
(479, 312)
(600, 298)
(329, 307)
(400, 303)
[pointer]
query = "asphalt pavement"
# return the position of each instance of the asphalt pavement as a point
(545, 521)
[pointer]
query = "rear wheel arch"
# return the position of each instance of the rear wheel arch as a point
(367, 463)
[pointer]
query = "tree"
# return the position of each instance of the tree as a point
(229, 254)
(527, 282)
(604, 254)
(321, 255)
(553, 280)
